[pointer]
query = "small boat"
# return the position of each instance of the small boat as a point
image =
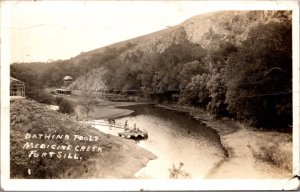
(134, 134)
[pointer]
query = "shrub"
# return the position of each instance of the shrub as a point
(178, 173)
(65, 106)
(40, 95)
(278, 155)
(58, 100)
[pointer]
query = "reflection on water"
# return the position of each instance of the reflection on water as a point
(174, 137)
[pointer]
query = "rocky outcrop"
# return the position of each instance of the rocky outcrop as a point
(92, 81)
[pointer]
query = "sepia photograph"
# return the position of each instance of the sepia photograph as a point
(149, 91)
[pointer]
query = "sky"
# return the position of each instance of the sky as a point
(45, 31)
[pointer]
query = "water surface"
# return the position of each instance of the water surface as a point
(174, 137)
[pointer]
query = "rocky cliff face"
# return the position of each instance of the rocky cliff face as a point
(92, 81)
(229, 25)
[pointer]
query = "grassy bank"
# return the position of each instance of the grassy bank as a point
(275, 148)
(113, 157)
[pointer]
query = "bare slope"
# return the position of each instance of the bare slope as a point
(112, 157)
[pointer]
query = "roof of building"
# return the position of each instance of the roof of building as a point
(68, 78)
(15, 80)
(62, 89)
(16, 97)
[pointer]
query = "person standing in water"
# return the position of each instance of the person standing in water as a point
(126, 126)
(110, 124)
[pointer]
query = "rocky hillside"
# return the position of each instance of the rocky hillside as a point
(206, 30)
(47, 144)
(229, 25)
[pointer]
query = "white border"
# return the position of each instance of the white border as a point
(5, 79)
(129, 185)
(296, 86)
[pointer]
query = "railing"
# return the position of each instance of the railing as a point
(116, 125)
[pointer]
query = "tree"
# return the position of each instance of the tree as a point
(196, 92)
(87, 103)
(189, 70)
(217, 91)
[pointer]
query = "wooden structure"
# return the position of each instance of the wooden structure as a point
(134, 134)
(62, 91)
(17, 88)
(67, 80)
(128, 133)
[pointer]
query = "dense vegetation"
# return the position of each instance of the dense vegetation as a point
(250, 81)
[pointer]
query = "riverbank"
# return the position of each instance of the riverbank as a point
(252, 154)
(38, 136)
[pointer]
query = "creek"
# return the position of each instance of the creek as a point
(174, 137)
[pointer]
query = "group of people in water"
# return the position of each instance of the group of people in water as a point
(127, 129)
(126, 126)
